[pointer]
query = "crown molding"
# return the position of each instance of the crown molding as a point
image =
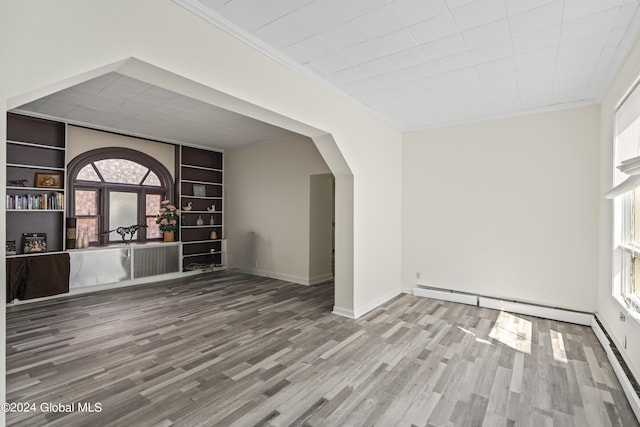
(503, 116)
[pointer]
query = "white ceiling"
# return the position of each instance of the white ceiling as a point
(120, 103)
(415, 63)
(425, 63)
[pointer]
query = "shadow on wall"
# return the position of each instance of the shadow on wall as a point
(253, 245)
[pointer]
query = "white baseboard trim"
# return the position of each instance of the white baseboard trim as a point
(273, 275)
(445, 295)
(560, 314)
(627, 388)
(361, 311)
(407, 291)
(343, 312)
(320, 279)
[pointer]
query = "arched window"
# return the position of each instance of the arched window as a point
(117, 187)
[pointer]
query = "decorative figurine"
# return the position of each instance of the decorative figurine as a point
(124, 231)
(18, 182)
(199, 221)
(188, 207)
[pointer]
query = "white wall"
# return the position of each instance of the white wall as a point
(267, 207)
(505, 208)
(80, 140)
(608, 307)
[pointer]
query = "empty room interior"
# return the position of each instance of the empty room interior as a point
(320, 212)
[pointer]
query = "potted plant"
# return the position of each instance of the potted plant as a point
(167, 219)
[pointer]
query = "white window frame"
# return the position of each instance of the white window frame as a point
(626, 245)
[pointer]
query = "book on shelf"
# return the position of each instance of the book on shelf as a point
(52, 201)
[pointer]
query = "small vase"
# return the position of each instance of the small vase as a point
(199, 221)
(80, 240)
(168, 236)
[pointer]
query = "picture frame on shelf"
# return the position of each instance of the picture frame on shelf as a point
(34, 242)
(47, 180)
(11, 247)
(199, 190)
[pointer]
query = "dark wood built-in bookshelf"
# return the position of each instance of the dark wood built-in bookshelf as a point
(35, 148)
(201, 170)
(35, 206)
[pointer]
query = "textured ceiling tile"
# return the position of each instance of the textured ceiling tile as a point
(349, 75)
(251, 15)
(457, 3)
(479, 13)
(534, 79)
(487, 34)
(450, 63)
(615, 37)
(538, 40)
(504, 66)
(394, 42)
(342, 37)
(491, 52)
(332, 63)
(413, 11)
(546, 16)
(518, 6)
(433, 29)
(283, 33)
(287, 6)
(593, 43)
(595, 23)
(378, 23)
(317, 17)
(461, 76)
(496, 81)
(307, 50)
(52, 109)
(361, 53)
(574, 9)
(359, 86)
(539, 58)
(572, 68)
(445, 46)
(376, 67)
(408, 58)
(352, 9)
(626, 14)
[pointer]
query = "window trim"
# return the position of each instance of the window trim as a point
(166, 189)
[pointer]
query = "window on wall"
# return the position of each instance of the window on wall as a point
(117, 187)
(626, 197)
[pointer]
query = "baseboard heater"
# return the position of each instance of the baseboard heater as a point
(630, 385)
(529, 309)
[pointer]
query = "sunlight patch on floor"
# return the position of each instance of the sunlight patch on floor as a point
(512, 331)
(480, 340)
(557, 345)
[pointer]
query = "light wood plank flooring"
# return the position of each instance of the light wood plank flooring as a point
(235, 350)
